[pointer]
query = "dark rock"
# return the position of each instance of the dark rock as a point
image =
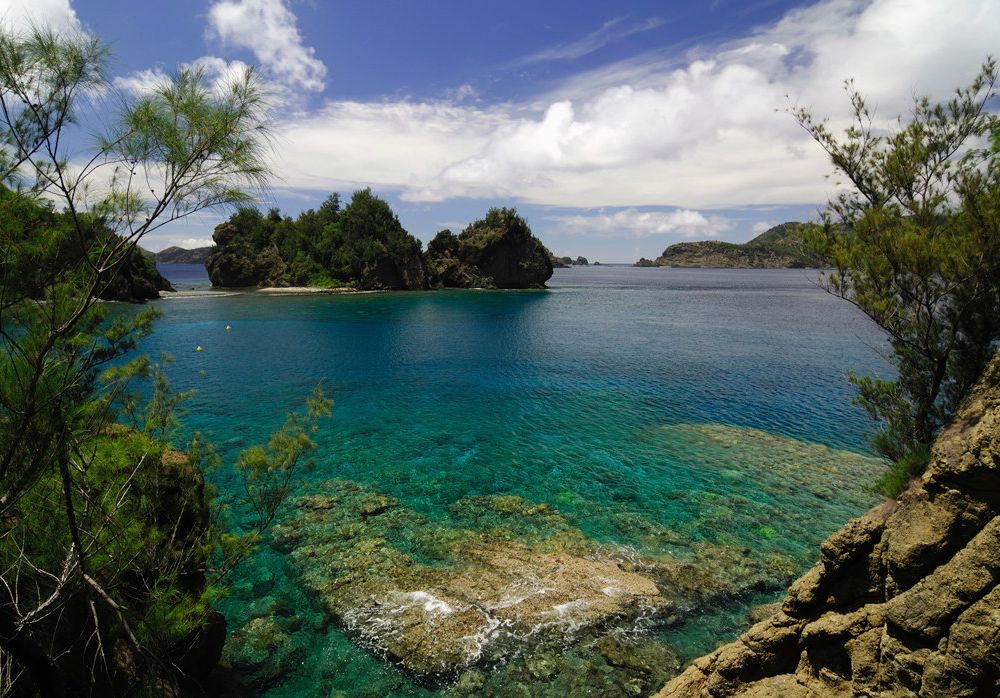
(136, 279)
(497, 251)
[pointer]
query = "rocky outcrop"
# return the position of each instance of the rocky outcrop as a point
(781, 247)
(498, 251)
(135, 280)
(233, 261)
(904, 601)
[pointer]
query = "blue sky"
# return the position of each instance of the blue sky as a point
(616, 128)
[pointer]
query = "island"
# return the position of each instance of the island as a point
(363, 246)
(180, 255)
(782, 247)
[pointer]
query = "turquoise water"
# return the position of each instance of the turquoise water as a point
(654, 408)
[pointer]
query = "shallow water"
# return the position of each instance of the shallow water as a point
(654, 408)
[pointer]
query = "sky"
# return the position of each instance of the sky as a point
(615, 128)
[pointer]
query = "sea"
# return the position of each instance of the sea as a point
(690, 401)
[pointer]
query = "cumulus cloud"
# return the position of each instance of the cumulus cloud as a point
(141, 81)
(702, 130)
(219, 75)
(635, 223)
(22, 14)
(269, 29)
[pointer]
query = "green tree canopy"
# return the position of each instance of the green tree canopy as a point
(106, 539)
(915, 242)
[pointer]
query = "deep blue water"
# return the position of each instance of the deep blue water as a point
(596, 395)
(185, 277)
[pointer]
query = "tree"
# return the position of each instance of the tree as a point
(915, 244)
(106, 539)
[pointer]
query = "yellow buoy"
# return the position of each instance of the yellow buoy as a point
(228, 328)
(198, 348)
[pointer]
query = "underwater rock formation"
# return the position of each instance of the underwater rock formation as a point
(904, 601)
(500, 581)
(476, 594)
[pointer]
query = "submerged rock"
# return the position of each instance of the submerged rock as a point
(903, 601)
(479, 596)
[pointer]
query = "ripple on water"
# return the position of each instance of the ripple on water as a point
(661, 412)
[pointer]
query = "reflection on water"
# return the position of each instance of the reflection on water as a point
(657, 409)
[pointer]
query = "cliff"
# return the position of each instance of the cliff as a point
(904, 601)
(781, 247)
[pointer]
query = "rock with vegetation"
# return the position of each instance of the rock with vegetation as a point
(498, 251)
(362, 245)
(904, 601)
(53, 250)
(137, 280)
(783, 246)
(560, 262)
(180, 255)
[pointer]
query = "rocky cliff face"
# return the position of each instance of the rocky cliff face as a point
(904, 601)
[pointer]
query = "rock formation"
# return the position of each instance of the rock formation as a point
(498, 251)
(136, 280)
(781, 247)
(904, 601)
(496, 592)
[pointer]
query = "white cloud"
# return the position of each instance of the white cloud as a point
(611, 31)
(22, 14)
(141, 81)
(269, 29)
(762, 227)
(699, 131)
(635, 223)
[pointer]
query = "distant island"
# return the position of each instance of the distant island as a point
(781, 247)
(179, 255)
(566, 262)
(364, 246)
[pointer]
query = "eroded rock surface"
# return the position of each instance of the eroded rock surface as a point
(903, 601)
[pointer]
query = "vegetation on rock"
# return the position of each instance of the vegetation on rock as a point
(781, 247)
(903, 601)
(915, 244)
(364, 246)
(180, 255)
(497, 251)
(110, 553)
